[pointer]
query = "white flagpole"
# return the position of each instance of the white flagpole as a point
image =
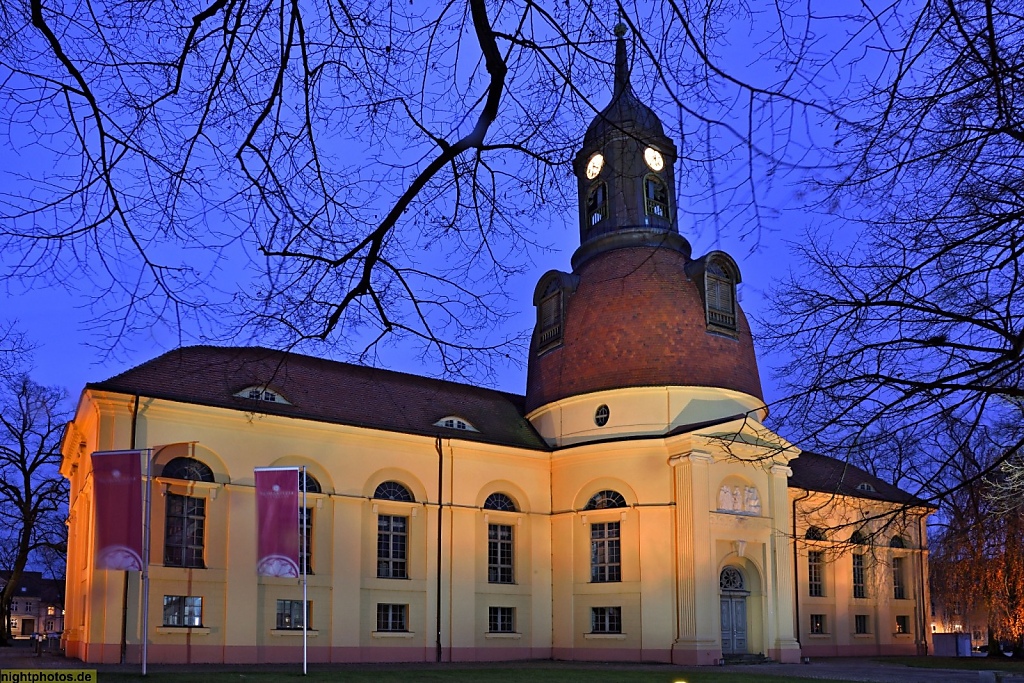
(145, 556)
(304, 524)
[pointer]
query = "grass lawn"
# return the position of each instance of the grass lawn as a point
(968, 663)
(618, 674)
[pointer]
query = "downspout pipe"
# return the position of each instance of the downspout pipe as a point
(124, 591)
(440, 489)
(922, 548)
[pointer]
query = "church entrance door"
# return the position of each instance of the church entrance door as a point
(734, 612)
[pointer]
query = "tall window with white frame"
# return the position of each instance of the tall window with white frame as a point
(605, 552)
(500, 563)
(859, 585)
(860, 624)
(306, 522)
(818, 624)
(392, 534)
(815, 574)
(185, 516)
(899, 590)
(605, 543)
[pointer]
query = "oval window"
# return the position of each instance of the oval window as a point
(601, 415)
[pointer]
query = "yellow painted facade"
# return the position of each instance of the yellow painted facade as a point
(677, 537)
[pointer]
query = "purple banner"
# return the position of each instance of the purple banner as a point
(277, 522)
(117, 490)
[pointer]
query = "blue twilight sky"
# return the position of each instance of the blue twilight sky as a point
(69, 353)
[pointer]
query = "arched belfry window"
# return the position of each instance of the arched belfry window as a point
(597, 203)
(188, 469)
(815, 533)
(656, 196)
(897, 542)
(603, 500)
(392, 490)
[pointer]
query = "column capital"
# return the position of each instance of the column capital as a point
(785, 470)
(692, 456)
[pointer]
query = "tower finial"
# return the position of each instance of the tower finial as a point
(621, 66)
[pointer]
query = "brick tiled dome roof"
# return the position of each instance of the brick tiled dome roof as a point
(635, 320)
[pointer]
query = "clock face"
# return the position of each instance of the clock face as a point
(595, 165)
(653, 158)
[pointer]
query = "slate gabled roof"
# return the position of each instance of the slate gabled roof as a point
(343, 393)
(328, 391)
(816, 472)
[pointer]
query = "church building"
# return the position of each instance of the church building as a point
(630, 506)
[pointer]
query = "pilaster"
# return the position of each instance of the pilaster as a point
(785, 648)
(695, 643)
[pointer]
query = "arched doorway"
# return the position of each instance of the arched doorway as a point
(734, 593)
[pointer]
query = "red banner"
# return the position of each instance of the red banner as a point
(277, 521)
(117, 490)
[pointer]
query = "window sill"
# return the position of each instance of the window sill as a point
(862, 635)
(604, 636)
(498, 635)
(903, 635)
(184, 630)
(819, 636)
(312, 633)
(392, 634)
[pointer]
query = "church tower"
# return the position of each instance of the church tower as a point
(637, 311)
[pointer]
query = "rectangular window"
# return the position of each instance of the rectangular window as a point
(184, 531)
(289, 614)
(606, 620)
(501, 619)
(859, 586)
(51, 611)
(391, 617)
(899, 590)
(903, 624)
(306, 546)
(499, 553)
(183, 610)
(605, 555)
(818, 624)
(860, 623)
(49, 624)
(815, 582)
(392, 536)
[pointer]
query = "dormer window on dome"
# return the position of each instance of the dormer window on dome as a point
(262, 393)
(550, 299)
(456, 422)
(717, 275)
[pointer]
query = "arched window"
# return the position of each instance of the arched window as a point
(312, 485)
(597, 203)
(188, 469)
(602, 500)
(720, 296)
(815, 533)
(656, 196)
(392, 490)
(731, 579)
(897, 542)
(858, 538)
(549, 318)
(499, 501)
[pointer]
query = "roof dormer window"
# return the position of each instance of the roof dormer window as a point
(864, 486)
(262, 393)
(455, 422)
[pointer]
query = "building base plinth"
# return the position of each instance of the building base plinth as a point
(696, 652)
(786, 651)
